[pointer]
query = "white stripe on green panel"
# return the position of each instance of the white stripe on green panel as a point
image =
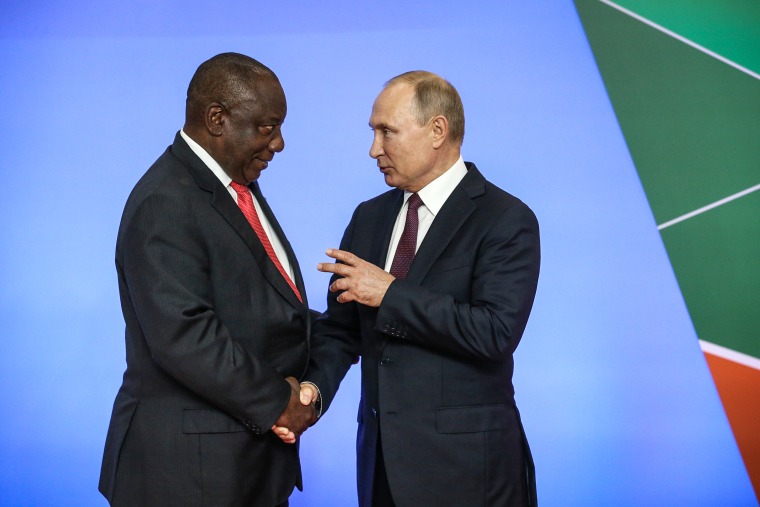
(710, 206)
(680, 38)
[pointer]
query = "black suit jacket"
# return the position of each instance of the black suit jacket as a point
(211, 330)
(437, 354)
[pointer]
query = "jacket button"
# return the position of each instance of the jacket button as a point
(374, 413)
(248, 424)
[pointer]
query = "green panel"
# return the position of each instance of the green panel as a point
(730, 28)
(716, 258)
(691, 122)
(692, 125)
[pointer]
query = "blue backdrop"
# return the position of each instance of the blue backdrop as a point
(615, 394)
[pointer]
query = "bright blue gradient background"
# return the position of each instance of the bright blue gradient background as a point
(615, 394)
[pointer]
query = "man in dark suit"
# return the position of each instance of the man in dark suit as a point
(217, 322)
(436, 329)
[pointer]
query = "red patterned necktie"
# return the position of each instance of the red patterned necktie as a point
(407, 245)
(245, 202)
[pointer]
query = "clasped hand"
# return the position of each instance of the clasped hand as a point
(307, 397)
(360, 281)
(297, 416)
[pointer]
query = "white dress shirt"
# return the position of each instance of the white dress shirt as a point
(433, 196)
(226, 180)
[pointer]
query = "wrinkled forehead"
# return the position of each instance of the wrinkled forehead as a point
(265, 97)
(264, 89)
(393, 101)
(396, 94)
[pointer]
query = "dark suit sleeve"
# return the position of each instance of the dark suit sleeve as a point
(166, 266)
(502, 288)
(335, 338)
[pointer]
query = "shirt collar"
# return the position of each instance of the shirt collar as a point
(207, 159)
(435, 193)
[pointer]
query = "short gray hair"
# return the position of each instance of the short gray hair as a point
(433, 95)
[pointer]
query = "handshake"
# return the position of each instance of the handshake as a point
(299, 415)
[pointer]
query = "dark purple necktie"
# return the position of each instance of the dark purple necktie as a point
(407, 245)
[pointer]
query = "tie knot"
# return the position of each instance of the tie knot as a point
(414, 202)
(240, 189)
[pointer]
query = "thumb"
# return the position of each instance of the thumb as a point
(307, 394)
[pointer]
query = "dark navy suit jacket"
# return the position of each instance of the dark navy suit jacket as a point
(437, 354)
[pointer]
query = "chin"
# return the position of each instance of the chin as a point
(252, 176)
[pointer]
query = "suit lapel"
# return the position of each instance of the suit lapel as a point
(284, 287)
(381, 244)
(455, 211)
(381, 240)
(223, 203)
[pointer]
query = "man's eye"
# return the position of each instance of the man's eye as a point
(266, 129)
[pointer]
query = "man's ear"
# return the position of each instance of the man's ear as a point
(215, 117)
(440, 130)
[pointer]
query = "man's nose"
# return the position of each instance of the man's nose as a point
(277, 144)
(376, 149)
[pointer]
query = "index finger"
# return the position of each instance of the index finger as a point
(342, 256)
(334, 267)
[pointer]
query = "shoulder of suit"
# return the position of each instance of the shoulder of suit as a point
(498, 199)
(168, 177)
(381, 201)
(511, 207)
